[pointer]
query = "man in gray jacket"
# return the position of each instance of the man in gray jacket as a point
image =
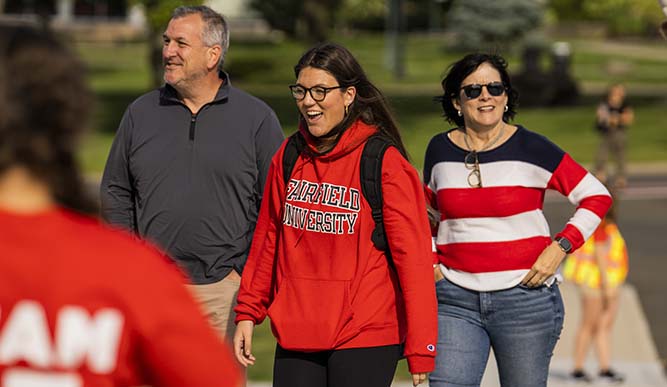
(188, 164)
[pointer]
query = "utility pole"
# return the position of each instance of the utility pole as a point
(395, 39)
(663, 26)
(434, 15)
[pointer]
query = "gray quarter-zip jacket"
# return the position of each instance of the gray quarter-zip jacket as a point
(192, 183)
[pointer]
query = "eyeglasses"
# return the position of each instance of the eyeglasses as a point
(475, 90)
(319, 93)
(471, 162)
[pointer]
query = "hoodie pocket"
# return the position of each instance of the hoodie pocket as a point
(312, 314)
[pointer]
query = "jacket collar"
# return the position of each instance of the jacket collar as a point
(169, 95)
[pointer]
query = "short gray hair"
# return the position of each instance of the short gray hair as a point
(215, 31)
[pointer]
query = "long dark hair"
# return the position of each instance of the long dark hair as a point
(44, 105)
(369, 105)
(451, 84)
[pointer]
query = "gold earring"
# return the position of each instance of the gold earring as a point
(347, 108)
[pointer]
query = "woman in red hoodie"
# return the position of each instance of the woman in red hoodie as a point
(340, 308)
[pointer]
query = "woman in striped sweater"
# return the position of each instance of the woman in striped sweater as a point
(496, 265)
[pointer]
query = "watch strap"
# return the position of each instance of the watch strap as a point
(564, 244)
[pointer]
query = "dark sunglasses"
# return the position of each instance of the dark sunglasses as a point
(475, 90)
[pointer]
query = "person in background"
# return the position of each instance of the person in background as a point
(599, 268)
(613, 116)
(187, 166)
(339, 309)
(497, 285)
(80, 304)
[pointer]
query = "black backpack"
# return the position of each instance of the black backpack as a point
(370, 175)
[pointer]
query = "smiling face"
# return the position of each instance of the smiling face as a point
(184, 54)
(322, 116)
(485, 111)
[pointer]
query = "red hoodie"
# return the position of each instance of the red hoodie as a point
(313, 268)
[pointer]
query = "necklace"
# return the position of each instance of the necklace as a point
(487, 146)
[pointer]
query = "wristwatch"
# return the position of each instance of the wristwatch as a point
(564, 244)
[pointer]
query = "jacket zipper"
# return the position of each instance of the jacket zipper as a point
(193, 123)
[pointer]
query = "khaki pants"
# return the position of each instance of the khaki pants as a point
(218, 301)
(612, 143)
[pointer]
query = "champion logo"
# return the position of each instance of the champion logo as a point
(430, 347)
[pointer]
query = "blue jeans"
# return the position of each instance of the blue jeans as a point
(521, 324)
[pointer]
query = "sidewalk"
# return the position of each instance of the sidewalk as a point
(633, 351)
(634, 354)
(647, 168)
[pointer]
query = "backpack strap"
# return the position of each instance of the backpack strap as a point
(295, 145)
(370, 170)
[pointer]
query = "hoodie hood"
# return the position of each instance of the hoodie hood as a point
(349, 140)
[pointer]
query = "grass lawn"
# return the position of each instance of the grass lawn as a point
(118, 73)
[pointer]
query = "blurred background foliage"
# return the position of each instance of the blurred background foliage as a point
(619, 17)
(498, 20)
(437, 31)
(469, 24)
(481, 24)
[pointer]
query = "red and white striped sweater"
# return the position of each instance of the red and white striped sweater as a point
(488, 238)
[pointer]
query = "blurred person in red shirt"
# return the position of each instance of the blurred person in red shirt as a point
(80, 304)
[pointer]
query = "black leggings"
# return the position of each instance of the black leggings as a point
(355, 367)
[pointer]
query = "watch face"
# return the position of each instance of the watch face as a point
(565, 244)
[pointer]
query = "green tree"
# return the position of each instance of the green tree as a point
(305, 19)
(281, 15)
(364, 14)
(620, 17)
(569, 9)
(158, 13)
(483, 24)
(624, 17)
(420, 15)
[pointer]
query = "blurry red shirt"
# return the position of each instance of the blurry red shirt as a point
(82, 305)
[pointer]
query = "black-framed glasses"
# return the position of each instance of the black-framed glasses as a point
(318, 93)
(475, 90)
(471, 162)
